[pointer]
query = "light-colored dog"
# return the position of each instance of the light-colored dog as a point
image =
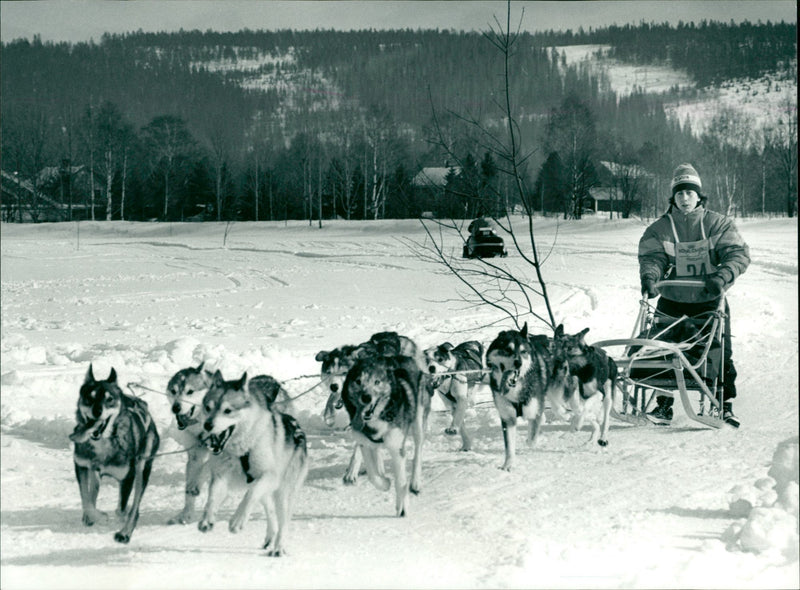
(185, 391)
(270, 448)
(454, 373)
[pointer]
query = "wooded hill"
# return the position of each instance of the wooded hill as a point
(268, 125)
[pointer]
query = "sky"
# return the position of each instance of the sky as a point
(82, 20)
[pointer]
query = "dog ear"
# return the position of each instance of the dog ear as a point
(242, 380)
(322, 356)
(362, 351)
(89, 375)
(582, 334)
(218, 378)
(112, 376)
(447, 346)
(559, 331)
(200, 367)
(524, 331)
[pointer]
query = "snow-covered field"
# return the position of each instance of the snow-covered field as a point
(683, 506)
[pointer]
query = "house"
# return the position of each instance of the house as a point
(22, 203)
(619, 187)
(434, 177)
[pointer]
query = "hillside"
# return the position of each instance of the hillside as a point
(320, 124)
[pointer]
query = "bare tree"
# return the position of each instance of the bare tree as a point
(728, 131)
(167, 141)
(781, 145)
(490, 283)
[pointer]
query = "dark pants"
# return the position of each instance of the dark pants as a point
(677, 309)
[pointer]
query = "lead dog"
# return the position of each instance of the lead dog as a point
(270, 448)
(115, 436)
(595, 376)
(522, 375)
(456, 389)
(386, 400)
(185, 391)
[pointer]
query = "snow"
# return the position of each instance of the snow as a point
(683, 506)
(762, 102)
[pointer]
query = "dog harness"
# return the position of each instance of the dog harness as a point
(245, 461)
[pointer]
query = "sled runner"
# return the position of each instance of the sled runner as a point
(667, 355)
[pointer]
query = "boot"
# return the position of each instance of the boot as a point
(728, 416)
(662, 414)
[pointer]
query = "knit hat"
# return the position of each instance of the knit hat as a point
(686, 177)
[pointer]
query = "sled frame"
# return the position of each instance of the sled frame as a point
(669, 371)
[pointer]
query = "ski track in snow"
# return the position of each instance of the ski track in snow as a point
(650, 510)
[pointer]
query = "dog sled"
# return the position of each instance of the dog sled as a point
(672, 356)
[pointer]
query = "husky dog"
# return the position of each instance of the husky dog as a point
(521, 370)
(269, 446)
(337, 362)
(115, 436)
(386, 399)
(456, 390)
(593, 372)
(185, 391)
(335, 365)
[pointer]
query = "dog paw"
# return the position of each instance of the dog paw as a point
(121, 537)
(204, 526)
(193, 490)
(505, 467)
(275, 552)
(451, 431)
(350, 479)
(602, 442)
(182, 518)
(236, 524)
(90, 518)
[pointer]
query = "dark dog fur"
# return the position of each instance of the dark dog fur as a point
(386, 399)
(115, 436)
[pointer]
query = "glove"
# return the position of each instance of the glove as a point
(715, 285)
(649, 288)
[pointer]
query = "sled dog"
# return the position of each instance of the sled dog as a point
(270, 448)
(115, 436)
(456, 389)
(185, 392)
(335, 365)
(593, 373)
(386, 398)
(521, 371)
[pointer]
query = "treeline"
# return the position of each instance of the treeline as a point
(274, 125)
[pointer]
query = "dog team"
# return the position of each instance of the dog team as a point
(239, 434)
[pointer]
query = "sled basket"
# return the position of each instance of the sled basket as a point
(667, 356)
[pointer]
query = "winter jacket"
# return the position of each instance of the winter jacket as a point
(728, 251)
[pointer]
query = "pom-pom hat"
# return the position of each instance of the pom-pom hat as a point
(686, 177)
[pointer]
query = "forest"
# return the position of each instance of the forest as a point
(273, 125)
